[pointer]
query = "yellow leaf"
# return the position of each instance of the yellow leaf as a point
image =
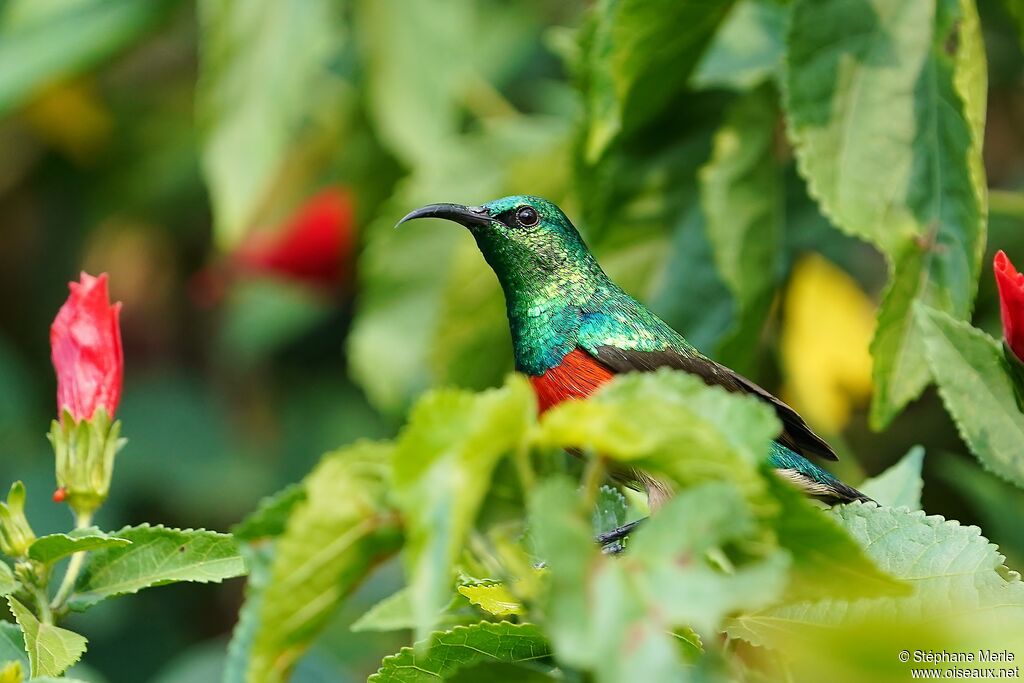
(494, 599)
(827, 328)
(12, 673)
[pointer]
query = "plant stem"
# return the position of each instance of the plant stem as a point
(74, 566)
(45, 615)
(593, 477)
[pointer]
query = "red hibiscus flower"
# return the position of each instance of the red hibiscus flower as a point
(85, 343)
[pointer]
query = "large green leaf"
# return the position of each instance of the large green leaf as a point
(390, 614)
(638, 55)
(955, 574)
(155, 556)
(442, 471)
(886, 126)
(747, 49)
(595, 602)
(265, 86)
(51, 650)
(49, 549)
(742, 197)
(901, 484)
(977, 388)
(444, 653)
(44, 42)
(332, 540)
(236, 665)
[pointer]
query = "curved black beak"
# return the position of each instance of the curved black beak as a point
(469, 216)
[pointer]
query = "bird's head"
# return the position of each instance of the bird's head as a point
(526, 240)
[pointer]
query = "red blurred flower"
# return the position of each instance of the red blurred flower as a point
(85, 343)
(312, 245)
(1011, 302)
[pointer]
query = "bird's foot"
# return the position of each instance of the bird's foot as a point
(611, 541)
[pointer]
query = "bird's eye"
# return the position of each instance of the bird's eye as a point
(527, 217)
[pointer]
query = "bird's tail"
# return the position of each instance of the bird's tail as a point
(812, 479)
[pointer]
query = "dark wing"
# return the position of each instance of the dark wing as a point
(796, 435)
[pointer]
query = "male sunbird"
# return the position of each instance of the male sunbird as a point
(573, 329)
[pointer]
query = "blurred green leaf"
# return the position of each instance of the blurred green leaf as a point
(266, 84)
(239, 651)
(886, 133)
(743, 199)
(12, 645)
(638, 55)
(747, 48)
(670, 423)
(8, 584)
(156, 556)
(270, 518)
(954, 571)
(444, 653)
(42, 43)
(51, 650)
(901, 484)
(596, 602)
(978, 391)
(390, 614)
(49, 549)
(442, 470)
(332, 540)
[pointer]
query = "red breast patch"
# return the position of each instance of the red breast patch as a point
(578, 376)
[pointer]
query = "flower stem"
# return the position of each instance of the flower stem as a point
(45, 615)
(74, 566)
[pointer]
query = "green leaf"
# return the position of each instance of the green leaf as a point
(901, 484)
(270, 518)
(747, 49)
(978, 391)
(390, 614)
(8, 584)
(638, 55)
(49, 549)
(742, 197)
(442, 470)
(955, 574)
(12, 645)
(51, 650)
(671, 424)
(887, 133)
(331, 542)
(42, 43)
(258, 558)
(265, 87)
(595, 602)
(493, 598)
(444, 653)
(610, 511)
(156, 556)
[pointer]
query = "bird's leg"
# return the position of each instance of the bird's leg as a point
(610, 540)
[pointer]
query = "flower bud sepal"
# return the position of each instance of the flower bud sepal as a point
(85, 451)
(16, 536)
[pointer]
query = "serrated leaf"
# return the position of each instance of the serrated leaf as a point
(638, 54)
(610, 510)
(978, 391)
(49, 549)
(12, 644)
(270, 517)
(156, 556)
(493, 598)
(265, 87)
(747, 48)
(390, 614)
(331, 541)
(8, 584)
(901, 484)
(742, 197)
(445, 653)
(51, 649)
(890, 147)
(442, 470)
(955, 574)
(42, 43)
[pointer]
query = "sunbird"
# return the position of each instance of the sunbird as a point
(573, 329)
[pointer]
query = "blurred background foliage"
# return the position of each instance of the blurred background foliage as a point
(237, 169)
